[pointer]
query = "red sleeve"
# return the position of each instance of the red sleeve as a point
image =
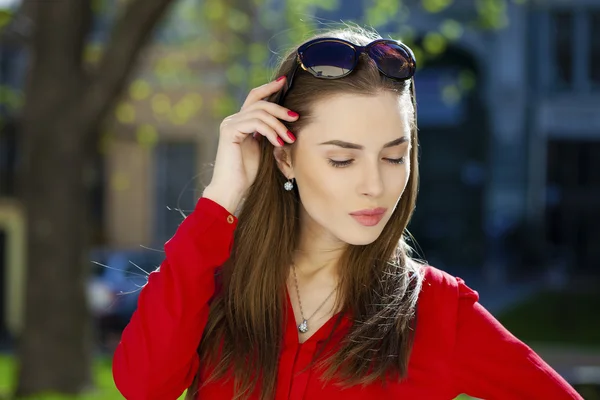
(157, 358)
(491, 363)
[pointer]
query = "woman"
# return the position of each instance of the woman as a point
(309, 292)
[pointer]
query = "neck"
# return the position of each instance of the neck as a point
(315, 268)
(318, 252)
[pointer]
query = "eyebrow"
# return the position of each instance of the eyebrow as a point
(348, 145)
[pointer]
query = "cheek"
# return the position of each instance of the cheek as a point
(400, 179)
(323, 185)
(319, 178)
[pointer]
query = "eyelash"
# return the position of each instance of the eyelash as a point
(341, 164)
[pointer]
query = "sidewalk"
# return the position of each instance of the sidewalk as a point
(576, 365)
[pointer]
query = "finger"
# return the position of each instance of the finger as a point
(257, 125)
(274, 109)
(274, 123)
(260, 92)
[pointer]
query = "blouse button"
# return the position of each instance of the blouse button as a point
(230, 219)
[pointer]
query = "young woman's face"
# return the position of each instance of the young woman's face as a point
(370, 176)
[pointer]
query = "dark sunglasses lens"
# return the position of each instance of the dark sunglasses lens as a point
(329, 59)
(392, 60)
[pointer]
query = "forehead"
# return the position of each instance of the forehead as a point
(356, 118)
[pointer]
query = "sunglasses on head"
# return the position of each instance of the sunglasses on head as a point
(331, 58)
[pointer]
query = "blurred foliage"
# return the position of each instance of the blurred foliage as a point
(215, 44)
(557, 317)
(11, 98)
(492, 13)
(207, 55)
(105, 387)
(589, 391)
(5, 17)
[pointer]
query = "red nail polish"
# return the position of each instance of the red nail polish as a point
(280, 78)
(292, 114)
(280, 140)
(291, 135)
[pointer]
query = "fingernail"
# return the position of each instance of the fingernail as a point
(280, 140)
(280, 78)
(292, 114)
(291, 135)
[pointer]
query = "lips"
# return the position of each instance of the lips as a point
(368, 220)
(370, 211)
(369, 216)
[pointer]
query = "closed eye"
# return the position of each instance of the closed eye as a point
(340, 164)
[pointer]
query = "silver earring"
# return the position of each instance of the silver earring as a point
(288, 185)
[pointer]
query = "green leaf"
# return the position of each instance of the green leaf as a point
(5, 17)
(434, 43)
(467, 80)
(257, 53)
(146, 135)
(238, 21)
(492, 13)
(236, 74)
(435, 6)
(451, 29)
(223, 106)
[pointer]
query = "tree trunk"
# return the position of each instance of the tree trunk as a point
(64, 107)
(55, 346)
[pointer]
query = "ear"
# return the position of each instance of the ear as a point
(283, 156)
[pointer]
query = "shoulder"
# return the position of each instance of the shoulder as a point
(440, 298)
(440, 287)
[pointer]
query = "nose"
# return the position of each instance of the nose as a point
(371, 183)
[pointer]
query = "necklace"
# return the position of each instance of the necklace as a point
(303, 327)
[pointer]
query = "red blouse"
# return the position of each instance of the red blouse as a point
(459, 346)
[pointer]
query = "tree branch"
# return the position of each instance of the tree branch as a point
(129, 36)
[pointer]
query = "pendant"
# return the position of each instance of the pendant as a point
(303, 327)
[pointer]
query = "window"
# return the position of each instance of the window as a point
(175, 186)
(8, 157)
(573, 181)
(594, 60)
(562, 30)
(569, 49)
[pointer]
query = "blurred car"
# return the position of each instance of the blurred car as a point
(114, 287)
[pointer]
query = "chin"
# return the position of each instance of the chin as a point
(360, 240)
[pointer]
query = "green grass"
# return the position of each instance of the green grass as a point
(105, 387)
(569, 318)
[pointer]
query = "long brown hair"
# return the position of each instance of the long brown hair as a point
(379, 282)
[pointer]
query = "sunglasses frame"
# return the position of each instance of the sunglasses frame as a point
(358, 50)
